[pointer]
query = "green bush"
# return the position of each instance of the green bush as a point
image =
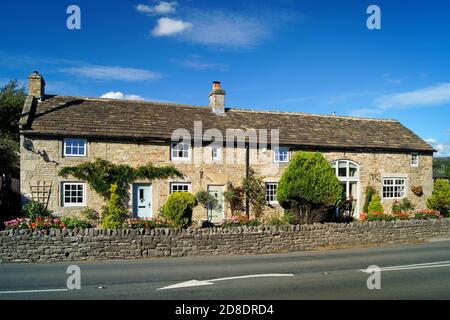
(440, 198)
(404, 205)
(254, 190)
(34, 209)
(309, 187)
(91, 215)
(208, 201)
(178, 209)
(370, 191)
(379, 216)
(375, 204)
(288, 217)
(74, 222)
(115, 212)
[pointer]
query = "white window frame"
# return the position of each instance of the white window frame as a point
(277, 151)
(218, 155)
(63, 194)
(188, 184)
(177, 158)
(414, 155)
(65, 154)
(266, 189)
(394, 185)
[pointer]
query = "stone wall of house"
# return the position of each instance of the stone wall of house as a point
(47, 159)
(93, 244)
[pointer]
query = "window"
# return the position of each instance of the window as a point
(215, 153)
(74, 147)
(271, 192)
(180, 151)
(179, 187)
(281, 154)
(394, 188)
(414, 159)
(73, 194)
(345, 169)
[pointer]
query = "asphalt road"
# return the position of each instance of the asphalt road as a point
(304, 275)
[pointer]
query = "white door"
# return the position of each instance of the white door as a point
(142, 200)
(217, 215)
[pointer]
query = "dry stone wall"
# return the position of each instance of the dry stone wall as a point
(94, 244)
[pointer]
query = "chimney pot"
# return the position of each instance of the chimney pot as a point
(217, 99)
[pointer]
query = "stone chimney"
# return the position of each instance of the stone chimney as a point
(36, 85)
(217, 99)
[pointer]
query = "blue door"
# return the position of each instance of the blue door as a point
(142, 200)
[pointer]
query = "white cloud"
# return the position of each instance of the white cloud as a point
(120, 95)
(198, 63)
(426, 97)
(112, 73)
(443, 150)
(163, 7)
(168, 27)
(429, 96)
(225, 29)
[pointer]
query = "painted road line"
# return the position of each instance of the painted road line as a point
(33, 291)
(198, 283)
(438, 264)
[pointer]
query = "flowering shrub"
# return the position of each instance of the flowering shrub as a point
(379, 216)
(404, 205)
(35, 224)
(402, 215)
(19, 223)
(240, 220)
(136, 223)
(427, 214)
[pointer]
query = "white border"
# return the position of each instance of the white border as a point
(74, 155)
(63, 203)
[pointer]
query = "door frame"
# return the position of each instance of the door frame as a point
(133, 198)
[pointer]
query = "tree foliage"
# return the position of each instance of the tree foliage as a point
(115, 212)
(101, 174)
(370, 191)
(177, 211)
(12, 98)
(235, 198)
(207, 201)
(440, 198)
(254, 191)
(309, 187)
(375, 204)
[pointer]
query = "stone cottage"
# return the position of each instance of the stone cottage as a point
(58, 131)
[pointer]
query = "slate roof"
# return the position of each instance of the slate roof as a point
(138, 120)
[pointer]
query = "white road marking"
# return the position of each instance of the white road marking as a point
(414, 266)
(197, 283)
(33, 291)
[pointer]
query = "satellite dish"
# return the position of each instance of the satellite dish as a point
(28, 144)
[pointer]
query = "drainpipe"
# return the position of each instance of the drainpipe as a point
(247, 171)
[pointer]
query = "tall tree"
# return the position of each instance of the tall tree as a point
(12, 98)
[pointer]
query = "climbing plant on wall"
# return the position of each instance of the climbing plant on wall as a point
(101, 174)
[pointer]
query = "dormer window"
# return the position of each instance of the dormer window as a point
(281, 155)
(180, 151)
(414, 159)
(74, 147)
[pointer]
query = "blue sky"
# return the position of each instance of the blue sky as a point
(308, 56)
